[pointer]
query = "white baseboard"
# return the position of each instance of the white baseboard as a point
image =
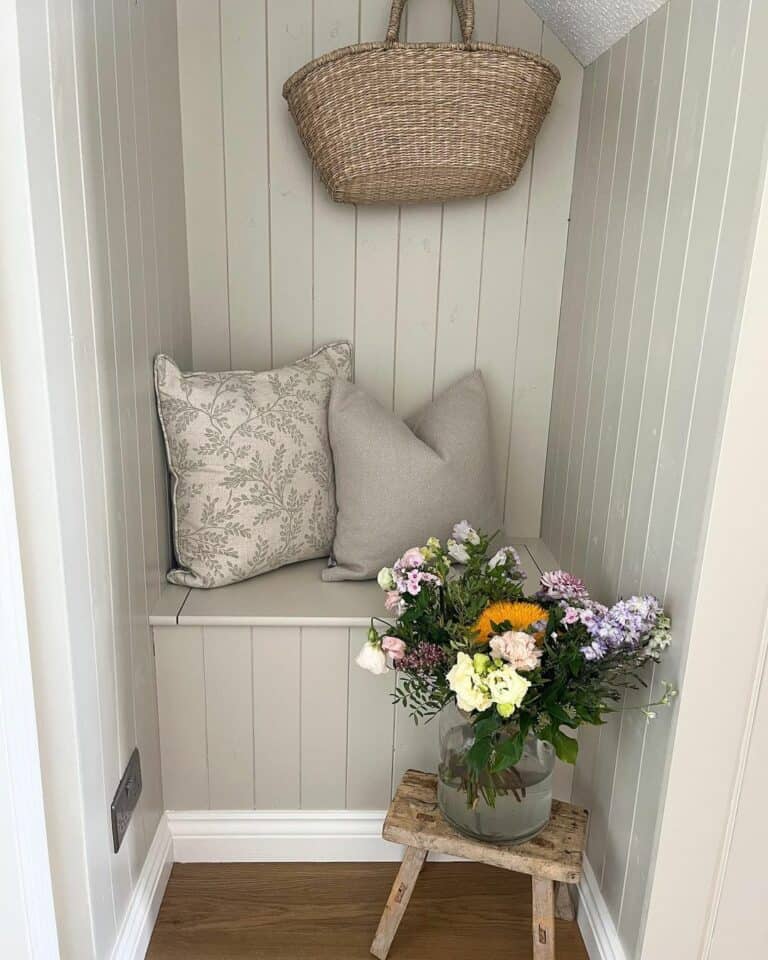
(235, 836)
(595, 922)
(136, 930)
(303, 836)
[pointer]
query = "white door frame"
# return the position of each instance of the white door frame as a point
(27, 917)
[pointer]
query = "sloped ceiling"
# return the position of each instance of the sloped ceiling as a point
(590, 27)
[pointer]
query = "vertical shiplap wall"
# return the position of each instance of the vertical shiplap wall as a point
(103, 140)
(668, 173)
(427, 293)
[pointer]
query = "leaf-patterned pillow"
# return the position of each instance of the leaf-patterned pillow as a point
(250, 463)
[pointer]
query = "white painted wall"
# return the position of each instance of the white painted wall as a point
(426, 293)
(668, 178)
(105, 287)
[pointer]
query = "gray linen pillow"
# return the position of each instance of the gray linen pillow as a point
(398, 483)
(251, 468)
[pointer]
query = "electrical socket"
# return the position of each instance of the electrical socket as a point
(125, 800)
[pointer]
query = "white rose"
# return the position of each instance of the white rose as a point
(458, 551)
(372, 658)
(507, 689)
(386, 579)
(471, 692)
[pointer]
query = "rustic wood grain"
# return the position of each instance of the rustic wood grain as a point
(414, 819)
(329, 911)
(565, 908)
(543, 914)
(398, 901)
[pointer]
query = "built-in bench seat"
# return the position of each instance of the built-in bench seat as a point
(297, 596)
(262, 706)
(292, 596)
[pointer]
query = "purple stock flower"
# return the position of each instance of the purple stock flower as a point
(595, 651)
(559, 585)
(627, 624)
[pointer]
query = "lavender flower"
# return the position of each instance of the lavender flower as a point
(559, 585)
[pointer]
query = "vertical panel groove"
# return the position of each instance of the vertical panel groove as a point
(253, 701)
(437, 297)
(224, 166)
(205, 714)
(301, 717)
(397, 304)
(505, 491)
(267, 135)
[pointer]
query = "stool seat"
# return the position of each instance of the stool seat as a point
(553, 856)
(414, 819)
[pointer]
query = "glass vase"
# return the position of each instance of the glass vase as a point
(523, 799)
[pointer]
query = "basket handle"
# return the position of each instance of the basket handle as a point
(465, 9)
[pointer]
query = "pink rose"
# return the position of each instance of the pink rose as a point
(394, 646)
(518, 649)
(393, 602)
(412, 558)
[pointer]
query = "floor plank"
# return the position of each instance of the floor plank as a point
(329, 911)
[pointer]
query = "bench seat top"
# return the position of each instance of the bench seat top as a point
(296, 595)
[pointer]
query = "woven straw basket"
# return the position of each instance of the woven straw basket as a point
(412, 122)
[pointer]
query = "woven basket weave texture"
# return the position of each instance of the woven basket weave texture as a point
(417, 122)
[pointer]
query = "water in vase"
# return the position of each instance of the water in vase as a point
(517, 815)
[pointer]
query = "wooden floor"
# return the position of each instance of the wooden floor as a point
(329, 911)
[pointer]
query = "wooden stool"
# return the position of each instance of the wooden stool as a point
(553, 859)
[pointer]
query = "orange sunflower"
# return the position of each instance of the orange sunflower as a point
(519, 615)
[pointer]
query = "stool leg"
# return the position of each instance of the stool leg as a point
(543, 919)
(564, 908)
(399, 897)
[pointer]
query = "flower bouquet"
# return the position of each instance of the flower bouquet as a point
(509, 674)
